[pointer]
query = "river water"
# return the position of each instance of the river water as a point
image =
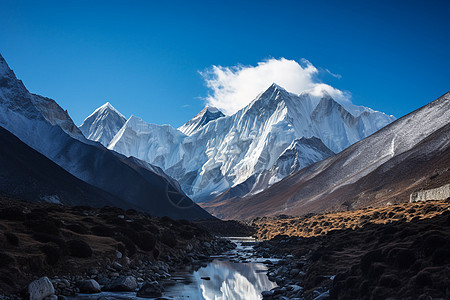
(236, 275)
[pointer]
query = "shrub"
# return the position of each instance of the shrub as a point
(79, 248)
(81, 208)
(167, 220)
(131, 212)
(405, 258)
(12, 214)
(441, 256)
(34, 263)
(187, 234)
(168, 239)
(12, 238)
(78, 228)
(43, 226)
(112, 210)
(48, 238)
(369, 258)
(129, 245)
(389, 281)
(153, 229)
(102, 230)
(184, 222)
(121, 248)
(115, 220)
(423, 278)
(137, 226)
(155, 253)
(37, 214)
(148, 241)
(431, 242)
(52, 253)
(5, 260)
(130, 234)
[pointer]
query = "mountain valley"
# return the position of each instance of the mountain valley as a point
(296, 196)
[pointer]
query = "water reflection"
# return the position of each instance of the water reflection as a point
(228, 280)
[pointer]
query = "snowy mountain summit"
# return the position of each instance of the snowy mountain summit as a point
(201, 119)
(103, 124)
(212, 153)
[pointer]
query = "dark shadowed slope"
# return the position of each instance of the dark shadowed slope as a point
(29, 175)
(407, 155)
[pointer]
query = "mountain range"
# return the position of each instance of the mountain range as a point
(43, 125)
(275, 135)
(283, 153)
(410, 154)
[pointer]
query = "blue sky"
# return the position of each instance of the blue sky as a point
(145, 56)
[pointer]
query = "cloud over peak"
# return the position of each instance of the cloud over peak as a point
(232, 88)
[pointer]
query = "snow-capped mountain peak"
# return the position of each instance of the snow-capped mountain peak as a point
(207, 115)
(105, 108)
(103, 124)
(212, 152)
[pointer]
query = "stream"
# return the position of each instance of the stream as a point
(236, 274)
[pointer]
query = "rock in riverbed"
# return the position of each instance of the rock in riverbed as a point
(122, 284)
(40, 288)
(150, 290)
(89, 286)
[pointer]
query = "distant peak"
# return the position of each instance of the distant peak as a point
(135, 120)
(108, 106)
(208, 109)
(211, 109)
(206, 115)
(275, 87)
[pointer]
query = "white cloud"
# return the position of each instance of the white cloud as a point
(338, 76)
(232, 88)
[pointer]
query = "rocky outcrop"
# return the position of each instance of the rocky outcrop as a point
(440, 193)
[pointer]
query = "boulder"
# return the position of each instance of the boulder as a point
(122, 284)
(150, 290)
(40, 288)
(89, 286)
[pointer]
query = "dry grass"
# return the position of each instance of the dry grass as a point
(320, 224)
